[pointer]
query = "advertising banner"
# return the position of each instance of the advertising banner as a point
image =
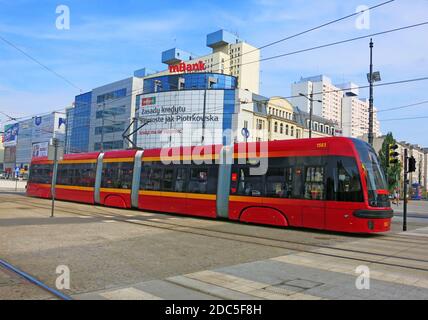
(11, 134)
(40, 149)
(180, 118)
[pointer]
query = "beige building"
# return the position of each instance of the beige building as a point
(276, 119)
(282, 124)
(321, 127)
(230, 55)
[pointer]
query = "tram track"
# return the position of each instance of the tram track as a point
(105, 210)
(246, 238)
(18, 273)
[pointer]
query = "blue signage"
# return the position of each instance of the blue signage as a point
(62, 121)
(38, 121)
(11, 134)
(245, 133)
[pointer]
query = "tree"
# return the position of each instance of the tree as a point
(392, 171)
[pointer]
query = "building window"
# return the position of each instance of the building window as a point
(286, 129)
(281, 128)
(292, 131)
(111, 95)
(275, 127)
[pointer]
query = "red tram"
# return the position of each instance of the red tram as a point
(324, 183)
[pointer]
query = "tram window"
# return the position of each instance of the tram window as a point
(347, 184)
(180, 181)
(82, 174)
(167, 179)
(198, 180)
(151, 178)
(117, 175)
(314, 183)
(64, 177)
(41, 173)
(249, 185)
(212, 180)
(279, 182)
(85, 175)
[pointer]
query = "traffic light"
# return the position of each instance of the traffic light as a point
(392, 154)
(412, 164)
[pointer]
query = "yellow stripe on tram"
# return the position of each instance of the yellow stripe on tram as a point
(181, 158)
(77, 161)
(178, 195)
(116, 190)
(245, 199)
(109, 160)
(77, 188)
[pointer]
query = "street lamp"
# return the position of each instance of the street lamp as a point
(372, 77)
(311, 108)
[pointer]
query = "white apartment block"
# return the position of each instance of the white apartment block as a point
(321, 88)
(340, 103)
(355, 114)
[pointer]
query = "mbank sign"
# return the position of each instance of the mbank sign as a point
(187, 67)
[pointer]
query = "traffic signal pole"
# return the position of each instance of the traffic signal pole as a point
(405, 190)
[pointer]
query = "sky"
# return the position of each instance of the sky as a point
(108, 40)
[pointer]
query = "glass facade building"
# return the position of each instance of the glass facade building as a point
(189, 81)
(79, 125)
(187, 109)
(120, 93)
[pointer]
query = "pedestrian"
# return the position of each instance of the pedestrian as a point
(397, 198)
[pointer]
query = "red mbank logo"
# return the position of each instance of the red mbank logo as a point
(187, 67)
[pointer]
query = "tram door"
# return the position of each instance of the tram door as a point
(313, 209)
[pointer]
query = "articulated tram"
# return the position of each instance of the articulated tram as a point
(324, 183)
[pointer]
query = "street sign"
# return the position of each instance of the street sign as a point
(245, 133)
(51, 153)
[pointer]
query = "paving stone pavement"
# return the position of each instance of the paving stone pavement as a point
(301, 275)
